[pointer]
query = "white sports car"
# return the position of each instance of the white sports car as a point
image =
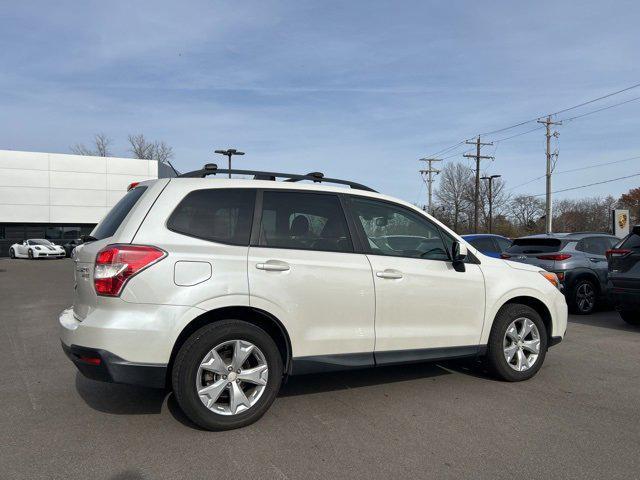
(36, 248)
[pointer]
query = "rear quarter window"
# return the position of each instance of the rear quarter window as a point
(222, 215)
(110, 223)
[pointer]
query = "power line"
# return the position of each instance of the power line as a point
(597, 165)
(590, 184)
(578, 169)
(597, 99)
(518, 135)
(601, 109)
(519, 124)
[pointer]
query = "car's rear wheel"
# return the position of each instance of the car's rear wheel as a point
(632, 317)
(227, 375)
(517, 343)
(12, 253)
(582, 297)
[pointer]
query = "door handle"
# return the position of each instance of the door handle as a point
(390, 274)
(595, 259)
(272, 266)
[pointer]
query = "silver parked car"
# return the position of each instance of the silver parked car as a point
(578, 259)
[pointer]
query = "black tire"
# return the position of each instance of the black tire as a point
(582, 297)
(187, 362)
(495, 354)
(30, 254)
(12, 253)
(632, 317)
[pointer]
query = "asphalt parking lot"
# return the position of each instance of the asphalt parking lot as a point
(578, 418)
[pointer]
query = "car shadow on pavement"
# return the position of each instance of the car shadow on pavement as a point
(604, 320)
(331, 381)
(119, 399)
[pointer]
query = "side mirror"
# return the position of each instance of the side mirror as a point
(458, 255)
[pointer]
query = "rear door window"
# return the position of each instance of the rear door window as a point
(304, 221)
(222, 215)
(110, 223)
(594, 245)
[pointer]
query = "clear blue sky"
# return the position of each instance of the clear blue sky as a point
(358, 89)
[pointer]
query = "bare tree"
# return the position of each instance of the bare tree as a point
(586, 214)
(453, 195)
(526, 211)
(101, 144)
(143, 148)
(140, 147)
(162, 152)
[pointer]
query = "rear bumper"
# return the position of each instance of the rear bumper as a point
(104, 366)
(624, 298)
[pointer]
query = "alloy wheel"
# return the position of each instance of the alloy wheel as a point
(521, 344)
(585, 297)
(232, 377)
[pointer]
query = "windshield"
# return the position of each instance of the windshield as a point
(109, 224)
(536, 245)
(40, 242)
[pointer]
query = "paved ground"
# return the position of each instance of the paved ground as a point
(579, 418)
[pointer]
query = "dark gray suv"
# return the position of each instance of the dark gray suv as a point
(577, 258)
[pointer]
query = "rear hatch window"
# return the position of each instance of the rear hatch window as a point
(110, 223)
(536, 245)
(632, 242)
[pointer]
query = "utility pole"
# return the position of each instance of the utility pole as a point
(229, 153)
(490, 198)
(548, 208)
(478, 157)
(429, 178)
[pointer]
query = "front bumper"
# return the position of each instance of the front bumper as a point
(104, 366)
(48, 254)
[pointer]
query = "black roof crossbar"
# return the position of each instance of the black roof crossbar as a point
(318, 177)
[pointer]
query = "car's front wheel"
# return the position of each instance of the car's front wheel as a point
(517, 343)
(227, 375)
(632, 317)
(30, 254)
(12, 253)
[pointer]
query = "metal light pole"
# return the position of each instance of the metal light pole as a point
(491, 198)
(229, 153)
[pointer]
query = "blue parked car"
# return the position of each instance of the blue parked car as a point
(489, 244)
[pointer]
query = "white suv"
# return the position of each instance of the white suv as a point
(222, 288)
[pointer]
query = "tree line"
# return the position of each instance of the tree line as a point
(521, 214)
(139, 147)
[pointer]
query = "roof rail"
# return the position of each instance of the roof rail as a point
(317, 177)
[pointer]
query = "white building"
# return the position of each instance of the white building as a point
(60, 197)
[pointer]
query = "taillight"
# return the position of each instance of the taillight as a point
(116, 264)
(555, 256)
(617, 253)
(505, 255)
